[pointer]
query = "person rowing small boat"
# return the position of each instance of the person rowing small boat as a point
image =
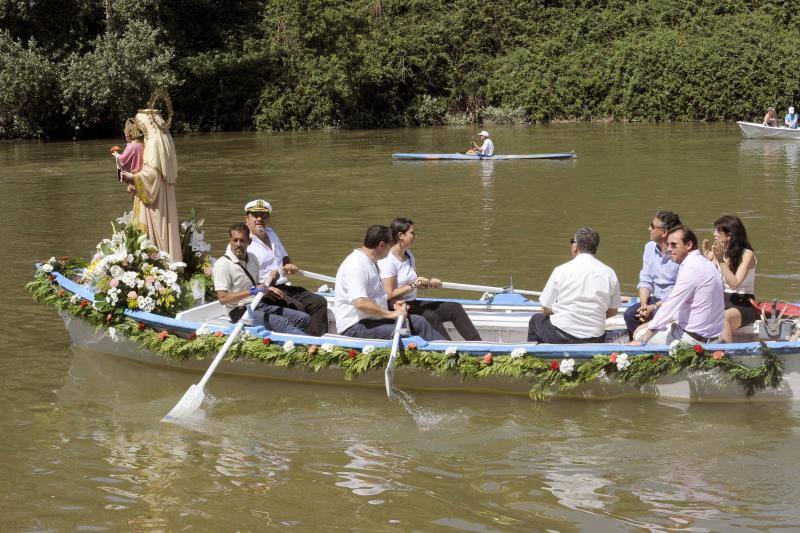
(486, 149)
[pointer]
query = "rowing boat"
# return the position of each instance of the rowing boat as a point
(752, 130)
(502, 363)
(466, 157)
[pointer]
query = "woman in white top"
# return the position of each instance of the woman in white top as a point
(734, 257)
(401, 282)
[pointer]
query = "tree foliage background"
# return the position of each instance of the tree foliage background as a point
(80, 67)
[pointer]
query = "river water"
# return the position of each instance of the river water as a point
(83, 447)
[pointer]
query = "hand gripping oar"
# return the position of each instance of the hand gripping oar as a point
(194, 397)
(389, 372)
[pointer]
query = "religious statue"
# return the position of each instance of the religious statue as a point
(154, 207)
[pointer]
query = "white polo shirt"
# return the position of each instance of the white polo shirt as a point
(404, 272)
(580, 292)
(357, 277)
(487, 148)
(269, 257)
(230, 277)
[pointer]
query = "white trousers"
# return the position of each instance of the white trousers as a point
(669, 335)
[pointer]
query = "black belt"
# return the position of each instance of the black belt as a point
(699, 338)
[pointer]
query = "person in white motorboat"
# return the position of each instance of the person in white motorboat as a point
(694, 311)
(401, 282)
(790, 120)
(734, 257)
(486, 148)
(268, 248)
(361, 306)
(578, 298)
(771, 119)
(238, 277)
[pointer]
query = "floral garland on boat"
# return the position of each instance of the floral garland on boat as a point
(546, 375)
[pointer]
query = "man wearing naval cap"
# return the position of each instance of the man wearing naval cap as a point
(268, 248)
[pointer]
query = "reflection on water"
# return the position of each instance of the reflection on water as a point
(84, 447)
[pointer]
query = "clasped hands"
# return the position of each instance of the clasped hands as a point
(426, 283)
(714, 251)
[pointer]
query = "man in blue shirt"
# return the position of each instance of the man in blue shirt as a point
(658, 273)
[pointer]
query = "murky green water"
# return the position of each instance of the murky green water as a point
(84, 449)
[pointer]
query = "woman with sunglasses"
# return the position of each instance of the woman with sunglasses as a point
(401, 282)
(732, 254)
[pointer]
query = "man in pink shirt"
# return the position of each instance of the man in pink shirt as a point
(695, 310)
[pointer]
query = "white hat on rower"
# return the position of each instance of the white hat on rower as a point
(791, 111)
(484, 133)
(258, 206)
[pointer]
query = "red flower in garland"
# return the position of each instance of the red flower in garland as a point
(141, 326)
(109, 317)
(719, 354)
(313, 349)
(657, 356)
(697, 349)
(487, 359)
(613, 357)
(84, 303)
(266, 341)
(218, 334)
(163, 335)
(411, 346)
(352, 354)
(553, 364)
(192, 336)
(51, 277)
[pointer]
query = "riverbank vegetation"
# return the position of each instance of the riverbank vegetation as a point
(78, 68)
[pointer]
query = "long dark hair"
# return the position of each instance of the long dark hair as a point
(733, 227)
(398, 226)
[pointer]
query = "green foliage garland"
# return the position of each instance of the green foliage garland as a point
(544, 375)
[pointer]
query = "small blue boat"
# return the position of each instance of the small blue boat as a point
(465, 157)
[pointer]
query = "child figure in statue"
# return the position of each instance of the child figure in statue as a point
(130, 160)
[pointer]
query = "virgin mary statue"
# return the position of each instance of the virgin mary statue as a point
(154, 205)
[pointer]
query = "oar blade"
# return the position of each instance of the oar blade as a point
(188, 405)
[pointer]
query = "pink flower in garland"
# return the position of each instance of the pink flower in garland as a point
(411, 346)
(657, 356)
(218, 334)
(487, 359)
(613, 357)
(313, 349)
(163, 335)
(719, 354)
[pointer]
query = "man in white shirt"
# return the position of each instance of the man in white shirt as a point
(237, 279)
(578, 297)
(486, 149)
(271, 255)
(360, 306)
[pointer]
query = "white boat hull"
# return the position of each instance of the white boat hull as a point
(685, 386)
(752, 130)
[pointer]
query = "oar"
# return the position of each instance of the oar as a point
(314, 275)
(487, 288)
(389, 372)
(194, 397)
(445, 285)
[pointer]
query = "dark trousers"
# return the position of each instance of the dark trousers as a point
(314, 305)
(540, 329)
(383, 328)
(436, 313)
(631, 322)
(281, 319)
